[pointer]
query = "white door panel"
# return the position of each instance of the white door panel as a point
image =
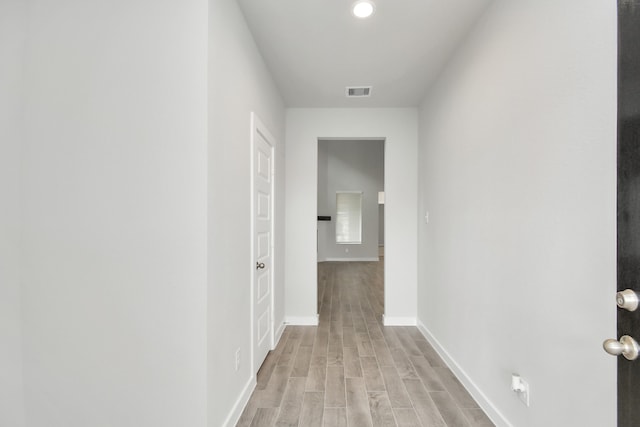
(262, 283)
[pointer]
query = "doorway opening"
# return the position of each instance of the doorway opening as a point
(350, 227)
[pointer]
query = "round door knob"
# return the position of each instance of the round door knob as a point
(259, 265)
(627, 346)
(627, 300)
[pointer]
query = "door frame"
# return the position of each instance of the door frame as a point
(627, 225)
(317, 142)
(258, 127)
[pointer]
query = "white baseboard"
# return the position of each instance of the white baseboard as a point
(489, 408)
(398, 321)
(302, 320)
(367, 259)
(242, 401)
(278, 334)
(240, 404)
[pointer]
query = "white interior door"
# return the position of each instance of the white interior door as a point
(262, 286)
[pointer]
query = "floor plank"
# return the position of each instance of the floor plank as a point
(335, 356)
(289, 352)
(371, 373)
(335, 391)
(452, 415)
(429, 353)
(406, 417)
(349, 336)
(396, 390)
(407, 342)
(265, 371)
(403, 364)
(365, 348)
(477, 417)
(382, 352)
(427, 374)
(301, 364)
(316, 378)
(272, 394)
(425, 408)
(381, 412)
(352, 366)
(455, 388)
(289, 414)
(335, 417)
(358, 412)
(265, 417)
(308, 336)
(312, 409)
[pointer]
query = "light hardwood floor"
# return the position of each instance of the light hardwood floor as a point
(352, 371)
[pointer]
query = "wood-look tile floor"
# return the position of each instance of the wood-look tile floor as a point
(352, 371)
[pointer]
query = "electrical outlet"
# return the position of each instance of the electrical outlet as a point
(237, 359)
(521, 388)
(524, 395)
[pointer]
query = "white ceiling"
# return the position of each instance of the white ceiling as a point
(315, 48)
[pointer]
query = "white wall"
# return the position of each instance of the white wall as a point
(350, 166)
(304, 127)
(518, 172)
(114, 271)
(239, 83)
(12, 37)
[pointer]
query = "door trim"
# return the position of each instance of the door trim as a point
(393, 321)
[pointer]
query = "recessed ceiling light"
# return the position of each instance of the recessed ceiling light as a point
(363, 8)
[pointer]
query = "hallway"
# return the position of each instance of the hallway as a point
(353, 371)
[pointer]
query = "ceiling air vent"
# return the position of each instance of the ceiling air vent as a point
(358, 91)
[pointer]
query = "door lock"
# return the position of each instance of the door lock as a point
(259, 265)
(627, 346)
(627, 300)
